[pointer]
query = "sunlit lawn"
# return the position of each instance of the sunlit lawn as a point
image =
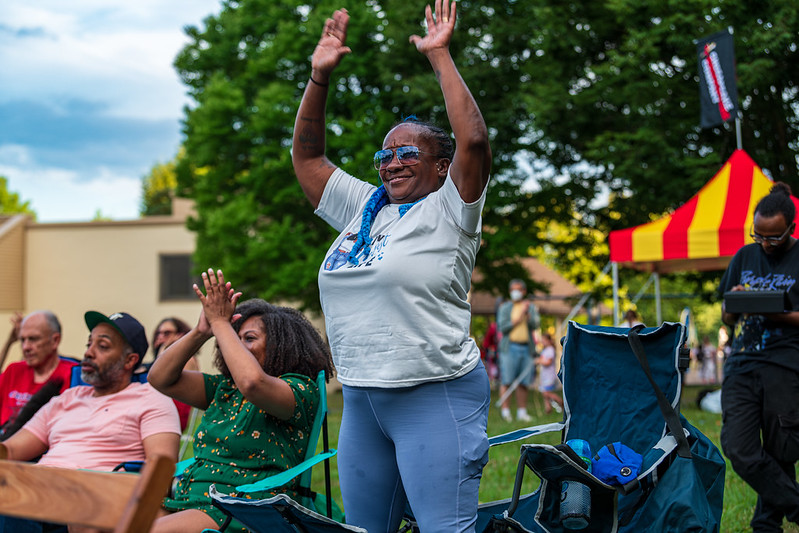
(498, 476)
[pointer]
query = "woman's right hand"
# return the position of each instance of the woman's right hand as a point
(331, 47)
(219, 300)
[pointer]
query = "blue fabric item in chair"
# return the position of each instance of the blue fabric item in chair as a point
(616, 464)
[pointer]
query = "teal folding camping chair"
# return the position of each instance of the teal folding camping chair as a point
(281, 513)
(620, 386)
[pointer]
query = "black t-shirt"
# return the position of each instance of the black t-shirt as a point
(756, 339)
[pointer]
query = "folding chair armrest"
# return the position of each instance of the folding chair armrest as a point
(523, 433)
(182, 465)
(284, 477)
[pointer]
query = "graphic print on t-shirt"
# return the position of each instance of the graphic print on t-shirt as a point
(339, 257)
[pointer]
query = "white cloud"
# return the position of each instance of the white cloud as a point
(113, 57)
(120, 53)
(60, 195)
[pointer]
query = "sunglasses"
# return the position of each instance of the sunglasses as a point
(406, 155)
(760, 239)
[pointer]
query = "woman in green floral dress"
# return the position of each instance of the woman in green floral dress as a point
(258, 411)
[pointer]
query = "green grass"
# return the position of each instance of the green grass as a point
(498, 476)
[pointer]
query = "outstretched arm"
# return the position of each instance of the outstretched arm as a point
(472, 161)
(312, 167)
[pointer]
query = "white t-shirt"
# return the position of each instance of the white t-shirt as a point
(401, 316)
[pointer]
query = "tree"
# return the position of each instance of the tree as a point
(613, 92)
(247, 69)
(10, 202)
(590, 100)
(158, 189)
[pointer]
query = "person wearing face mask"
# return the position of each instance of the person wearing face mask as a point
(760, 393)
(516, 321)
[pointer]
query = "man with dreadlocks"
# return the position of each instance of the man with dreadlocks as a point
(394, 290)
(760, 393)
(259, 409)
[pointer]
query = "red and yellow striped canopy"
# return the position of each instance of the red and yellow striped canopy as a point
(705, 232)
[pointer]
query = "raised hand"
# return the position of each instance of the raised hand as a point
(331, 47)
(219, 300)
(440, 27)
(16, 325)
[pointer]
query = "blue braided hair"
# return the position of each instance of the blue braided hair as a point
(442, 142)
(377, 201)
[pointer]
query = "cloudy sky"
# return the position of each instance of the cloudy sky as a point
(89, 100)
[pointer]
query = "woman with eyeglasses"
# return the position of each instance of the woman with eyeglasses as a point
(393, 288)
(167, 332)
(760, 392)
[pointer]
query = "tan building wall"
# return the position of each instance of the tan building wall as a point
(103, 266)
(12, 262)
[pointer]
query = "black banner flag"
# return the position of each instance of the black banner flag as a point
(718, 93)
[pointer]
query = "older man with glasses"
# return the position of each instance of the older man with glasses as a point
(760, 394)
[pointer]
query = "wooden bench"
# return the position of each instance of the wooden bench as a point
(119, 502)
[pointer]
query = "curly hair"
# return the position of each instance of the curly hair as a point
(293, 345)
(777, 201)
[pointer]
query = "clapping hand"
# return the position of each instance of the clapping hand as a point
(219, 300)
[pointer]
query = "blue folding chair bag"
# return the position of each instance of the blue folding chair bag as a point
(622, 386)
(689, 493)
(618, 384)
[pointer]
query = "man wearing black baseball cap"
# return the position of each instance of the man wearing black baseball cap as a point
(133, 334)
(113, 420)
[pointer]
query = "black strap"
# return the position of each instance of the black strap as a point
(671, 416)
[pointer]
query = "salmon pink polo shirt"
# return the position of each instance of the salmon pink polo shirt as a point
(98, 433)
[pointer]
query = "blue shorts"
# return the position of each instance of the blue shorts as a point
(425, 446)
(515, 361)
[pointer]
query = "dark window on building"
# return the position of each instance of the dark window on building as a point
(177, 277)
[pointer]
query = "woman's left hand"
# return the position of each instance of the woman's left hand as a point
(439, 27)
(219, 300)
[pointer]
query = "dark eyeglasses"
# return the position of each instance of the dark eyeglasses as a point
(406, 155)
(760, 239)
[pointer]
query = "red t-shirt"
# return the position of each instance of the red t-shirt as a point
(184, 411)
(17, 386)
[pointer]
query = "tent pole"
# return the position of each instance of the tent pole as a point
(615, 293)
(643, 289)
(583, 299)
(738, 132)
(658, 312)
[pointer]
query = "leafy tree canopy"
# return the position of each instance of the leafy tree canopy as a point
(592, 107)
(10, 202)
(158, 189)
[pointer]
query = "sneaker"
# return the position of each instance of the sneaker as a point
(556, 406)
(506, 415)
(523, 416)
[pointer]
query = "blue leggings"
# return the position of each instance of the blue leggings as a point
(424, 445)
